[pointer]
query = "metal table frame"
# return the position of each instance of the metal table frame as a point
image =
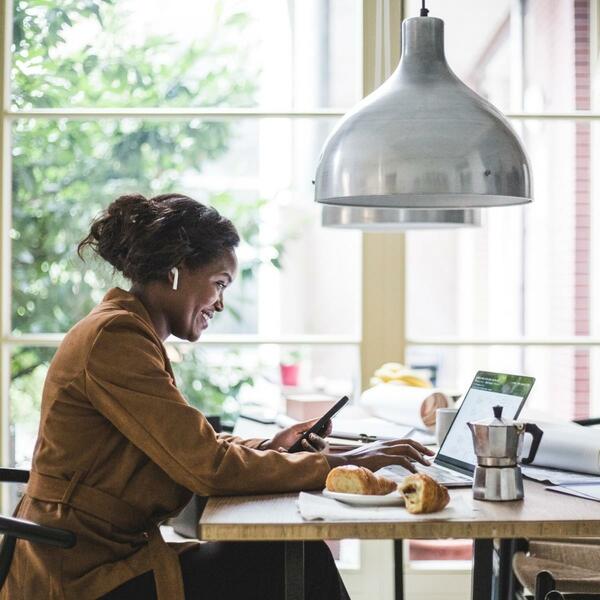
(492, 572)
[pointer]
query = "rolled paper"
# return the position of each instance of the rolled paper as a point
(404, 404)
(429, 406)
(567, 446)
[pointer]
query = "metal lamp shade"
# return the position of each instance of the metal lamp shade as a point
(397, 219)
(423, 139)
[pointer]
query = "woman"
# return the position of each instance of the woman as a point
(119, 449)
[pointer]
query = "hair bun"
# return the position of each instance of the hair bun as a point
(111, 234)
(145, 237)
(130, 208)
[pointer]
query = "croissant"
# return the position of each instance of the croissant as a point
(422, 494)
(351, 479)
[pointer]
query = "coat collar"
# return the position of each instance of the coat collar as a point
(131, 303)
(128, 302)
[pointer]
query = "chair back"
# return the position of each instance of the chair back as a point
(583, 552)
(14, 528)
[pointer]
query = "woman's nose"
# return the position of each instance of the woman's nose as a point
(219, 304)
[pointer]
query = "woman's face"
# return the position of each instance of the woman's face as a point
(199, 295)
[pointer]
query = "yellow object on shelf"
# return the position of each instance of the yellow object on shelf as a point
(399, 374)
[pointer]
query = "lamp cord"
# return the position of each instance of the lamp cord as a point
(424, 11)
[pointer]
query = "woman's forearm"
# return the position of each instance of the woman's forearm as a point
(336, 460)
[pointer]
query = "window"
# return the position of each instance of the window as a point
(521, 293)
(224, 100)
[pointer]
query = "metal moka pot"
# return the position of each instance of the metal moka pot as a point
(498, 443)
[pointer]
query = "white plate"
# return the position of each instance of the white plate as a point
(391, 499)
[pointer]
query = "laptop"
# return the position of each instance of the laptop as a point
(455, 461)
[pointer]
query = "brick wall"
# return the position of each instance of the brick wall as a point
(582, 288)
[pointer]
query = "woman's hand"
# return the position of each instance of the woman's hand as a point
(381, 454)
(287, 437)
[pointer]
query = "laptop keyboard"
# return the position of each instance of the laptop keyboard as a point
(440, 474)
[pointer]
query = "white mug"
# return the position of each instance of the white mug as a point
(443, 420)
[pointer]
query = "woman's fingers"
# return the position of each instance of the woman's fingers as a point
(418, 446)
(304, 425)
(379, 460)
(421, 448)
(318, 442)
(407, 451)
(395, 460)
(308, 447)
(314, 444)
(406, 464)
(376, 456)
(408, 448)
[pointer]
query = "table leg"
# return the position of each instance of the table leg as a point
(294, 570)
(504, 585)
(398, 571)
(514, 585)
(481, 585)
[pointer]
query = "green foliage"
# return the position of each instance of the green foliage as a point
(28, 374)
(211, 70)
(65, 171)
(212, 383)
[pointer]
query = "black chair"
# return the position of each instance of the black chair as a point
(565, 575)
(556, 569)
(554, 595)
(13, 529)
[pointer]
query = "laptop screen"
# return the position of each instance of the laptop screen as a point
(486, 391)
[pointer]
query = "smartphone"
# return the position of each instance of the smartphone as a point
(320, 426)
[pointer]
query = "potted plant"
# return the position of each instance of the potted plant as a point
(289, 368)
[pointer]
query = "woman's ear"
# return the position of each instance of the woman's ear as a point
(175, 273)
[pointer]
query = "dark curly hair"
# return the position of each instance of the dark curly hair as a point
(144, 238)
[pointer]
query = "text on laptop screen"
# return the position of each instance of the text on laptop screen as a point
(486, 391)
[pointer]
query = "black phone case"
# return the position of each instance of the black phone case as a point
(318, 428)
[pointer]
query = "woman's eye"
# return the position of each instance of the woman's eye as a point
(221, 285)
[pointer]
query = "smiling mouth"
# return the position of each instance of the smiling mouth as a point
(205, 318)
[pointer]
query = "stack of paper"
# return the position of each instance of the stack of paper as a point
(587, 490)
(556, 476)
(358, 423)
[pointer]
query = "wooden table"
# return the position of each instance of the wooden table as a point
(542, 514)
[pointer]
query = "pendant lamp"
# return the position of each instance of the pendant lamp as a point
(397, 219)
(423, 140)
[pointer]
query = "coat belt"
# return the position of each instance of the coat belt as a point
(164, 560)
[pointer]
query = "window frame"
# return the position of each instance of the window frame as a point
(579, 341)
(390, 342)
(382, 335)
(382, 332)
(9, 340)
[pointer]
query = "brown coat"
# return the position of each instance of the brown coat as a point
(119, 450)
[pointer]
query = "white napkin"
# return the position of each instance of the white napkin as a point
(317, 506)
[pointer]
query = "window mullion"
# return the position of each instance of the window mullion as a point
(587, 341)
(54, 340)
(171, 113)
(6, 12)
(247, 113)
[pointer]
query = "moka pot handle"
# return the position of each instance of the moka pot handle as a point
(536, 434)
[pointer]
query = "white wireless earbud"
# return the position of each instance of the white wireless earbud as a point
(175, 273)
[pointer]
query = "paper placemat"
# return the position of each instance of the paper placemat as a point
(315, 506)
